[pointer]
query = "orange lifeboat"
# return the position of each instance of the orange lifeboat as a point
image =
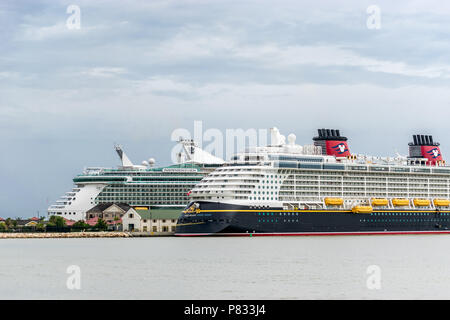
(441, 202)
(400, 202)
(362, 209)
(334, 201)
(422, 202)
(380, 202)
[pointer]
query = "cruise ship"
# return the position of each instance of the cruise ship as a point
(322, 189)
(137, 185)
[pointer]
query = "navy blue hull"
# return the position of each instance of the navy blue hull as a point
(226, 219)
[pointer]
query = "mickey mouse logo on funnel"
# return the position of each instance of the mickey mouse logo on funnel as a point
(424, 147)
(332, 143)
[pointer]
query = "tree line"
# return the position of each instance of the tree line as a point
(55, 224)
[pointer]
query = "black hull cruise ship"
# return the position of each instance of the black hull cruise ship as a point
(322, 189)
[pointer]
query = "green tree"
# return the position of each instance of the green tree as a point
(80, 225)
(40, 227)
(3, 226)
(57, 221)
(101, 225)
(8, 222)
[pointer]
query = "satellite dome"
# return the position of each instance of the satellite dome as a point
(291, 138)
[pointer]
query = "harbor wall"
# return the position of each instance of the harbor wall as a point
(48, 235)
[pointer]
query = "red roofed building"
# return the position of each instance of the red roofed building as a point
(112, 225)
(69, 223)
(115, 222)
(92, 222)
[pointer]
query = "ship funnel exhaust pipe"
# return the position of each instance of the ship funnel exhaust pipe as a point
(424, 147)
(332, 143)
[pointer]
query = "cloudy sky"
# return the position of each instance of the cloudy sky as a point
(137, 70)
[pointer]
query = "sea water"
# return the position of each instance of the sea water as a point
(314, 267)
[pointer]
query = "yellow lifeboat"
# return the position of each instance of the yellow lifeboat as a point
(334, 201)
(362, 209)
(380, 202)
(400, 202)
(441, 202)
(421, 202)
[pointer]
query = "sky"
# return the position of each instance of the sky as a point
(135, 71)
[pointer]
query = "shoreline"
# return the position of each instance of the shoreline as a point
(67, 235)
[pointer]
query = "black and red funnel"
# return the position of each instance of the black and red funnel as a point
(423, 146)
(332, 143)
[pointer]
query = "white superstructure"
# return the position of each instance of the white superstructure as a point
(137, 185)
(292, 176)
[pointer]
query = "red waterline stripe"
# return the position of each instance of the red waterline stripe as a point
(312, 233)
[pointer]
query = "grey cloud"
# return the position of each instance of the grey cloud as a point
(137, 71)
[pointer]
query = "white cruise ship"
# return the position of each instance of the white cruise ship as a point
(137, 185)
(288, 189)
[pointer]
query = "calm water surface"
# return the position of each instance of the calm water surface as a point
(412, 267)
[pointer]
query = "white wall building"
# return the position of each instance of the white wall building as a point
(153, 220)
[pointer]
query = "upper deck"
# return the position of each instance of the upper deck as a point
(295, 174)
